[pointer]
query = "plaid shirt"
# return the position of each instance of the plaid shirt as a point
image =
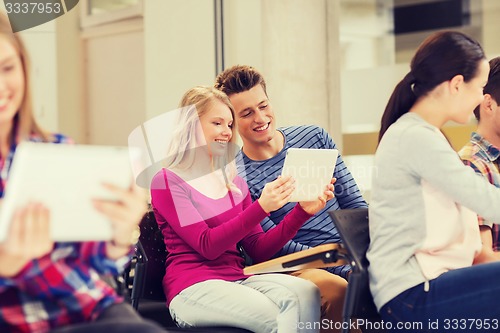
(60, 288)
(483, 157)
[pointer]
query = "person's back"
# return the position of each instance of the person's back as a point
(423, 232)
(412, 211)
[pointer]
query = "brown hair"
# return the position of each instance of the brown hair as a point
(493, 86)
(238, 79)
(439, 58)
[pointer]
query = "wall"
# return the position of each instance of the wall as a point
(243, 33)
(365, 93)
(41, 44)
(70, 77)
(366, 90)
(179, 50)
(491, 27)
(294, 45)
(115, 86)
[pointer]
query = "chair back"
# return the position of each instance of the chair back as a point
(155, 253)
(352, 225)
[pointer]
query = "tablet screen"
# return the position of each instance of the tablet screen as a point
(65, 178)
(312, 170)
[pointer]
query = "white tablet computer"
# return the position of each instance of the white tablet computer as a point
(312, 170)
(65, 178)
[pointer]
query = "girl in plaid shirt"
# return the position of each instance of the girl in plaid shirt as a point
(46, 286)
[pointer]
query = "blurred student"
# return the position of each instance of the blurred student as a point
(205, 211)
(423, 223)
(263, 154)
(482, 154)
(46, 286)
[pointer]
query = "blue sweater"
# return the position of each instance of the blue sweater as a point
(319, 229)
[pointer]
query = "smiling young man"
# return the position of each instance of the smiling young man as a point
(263, 154)
(482, 153)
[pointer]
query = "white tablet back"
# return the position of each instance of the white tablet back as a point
(312, 170)
(65, 178)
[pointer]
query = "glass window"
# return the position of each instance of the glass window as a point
(378, 39)
(95, 12)
(97, 7)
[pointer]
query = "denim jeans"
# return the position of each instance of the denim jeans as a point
(461, 300)
(267, 303)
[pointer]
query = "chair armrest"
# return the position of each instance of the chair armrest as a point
(326, 255)
(139, 275)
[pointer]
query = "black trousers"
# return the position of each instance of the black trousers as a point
(120, 318)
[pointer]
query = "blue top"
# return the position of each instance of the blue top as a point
(319, 229)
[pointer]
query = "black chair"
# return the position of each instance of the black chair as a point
(147, 295)
(352, 225)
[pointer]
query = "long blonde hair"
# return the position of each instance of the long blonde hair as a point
(24, 123)
(181, 152)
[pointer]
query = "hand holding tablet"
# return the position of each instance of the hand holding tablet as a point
(312, 170)
(65, 179)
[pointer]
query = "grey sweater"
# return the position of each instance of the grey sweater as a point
(421, 211)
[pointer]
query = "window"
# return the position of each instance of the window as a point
(96, 12)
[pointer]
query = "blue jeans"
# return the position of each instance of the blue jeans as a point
(267, 303)
(461, 300)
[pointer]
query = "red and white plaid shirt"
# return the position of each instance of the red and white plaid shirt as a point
(61, 288)
(58, 289)
(483, 157)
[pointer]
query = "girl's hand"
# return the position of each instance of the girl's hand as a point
(28, 239)
(125, 215)
(312, 207)
(276, 193)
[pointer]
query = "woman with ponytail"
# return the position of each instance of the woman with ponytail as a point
(423, 222)
(205, 211)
